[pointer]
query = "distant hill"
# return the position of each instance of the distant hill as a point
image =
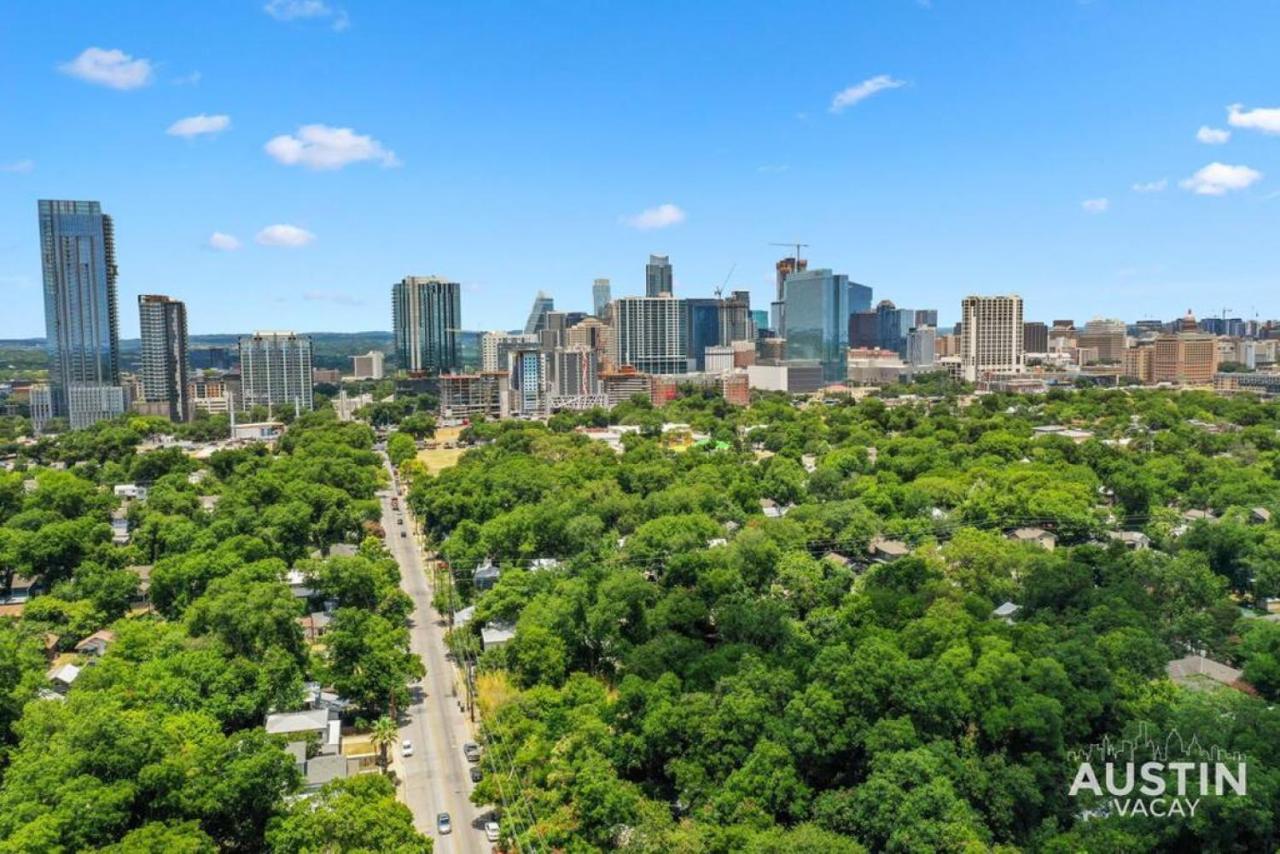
(329, 349)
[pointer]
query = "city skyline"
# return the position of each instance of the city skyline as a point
(912, 169)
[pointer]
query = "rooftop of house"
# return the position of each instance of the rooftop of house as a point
(497, 633)
(889, 548)
(103, 636)
(306, 720)
(64, 673)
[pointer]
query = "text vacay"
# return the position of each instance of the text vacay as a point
(1192, 781)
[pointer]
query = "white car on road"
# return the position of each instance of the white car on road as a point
(406, 749)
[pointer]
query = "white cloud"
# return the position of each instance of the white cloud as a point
(660, 217)
(1151, 186)
(284, 235)
(1212, 136)
(197, 125)
(1265, 119)
(288, 10)
(192, 79)
(224, 242)
(861, 91)
(113, 68)
(21, 167)
(324, 147)
(1096, 206)
(1217, 179)
(295, 10)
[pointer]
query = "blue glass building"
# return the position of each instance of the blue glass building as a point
(77, 254)
(704, 329)
(815, 318)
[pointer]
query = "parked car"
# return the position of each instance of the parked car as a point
(443, 824)
(491, 831)
(476, 774)
(471, 750)
(403, 534)
(406, 749)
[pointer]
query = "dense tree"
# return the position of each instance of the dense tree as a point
(360, 814)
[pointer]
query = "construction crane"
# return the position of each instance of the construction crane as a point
(797, 245)
(719, 292)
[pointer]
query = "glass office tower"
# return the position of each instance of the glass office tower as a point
(815, 318)
(77, 253)
(657, 276)
(704, 329)
(600, 297)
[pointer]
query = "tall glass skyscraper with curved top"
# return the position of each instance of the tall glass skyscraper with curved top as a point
(78, 257)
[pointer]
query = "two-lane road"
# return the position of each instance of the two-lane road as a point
(436, 778)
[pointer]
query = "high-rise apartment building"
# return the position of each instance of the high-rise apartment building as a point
(1139, 363)
(652, 334)
(77, 254)
(922, 343)
(927, 317)
(370, 366)
(166, 363)
(601, 296)
(991, 336)
(736, 323)
(426, 317)
(577, 376)
(275, 370)
(657, 276)
(529, 381)
(1035, 337)
(864, 329)
(817, 305)
(471, 395)
(1188, 358)
(1107, 336)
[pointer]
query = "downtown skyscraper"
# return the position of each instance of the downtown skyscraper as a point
(166, 364)
(657, 276)
(78, 257)
(991, 336)
(426, 317)
(816, 307)
(601, 296)
(275, 371)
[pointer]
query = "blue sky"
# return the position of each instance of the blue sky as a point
(517, 146)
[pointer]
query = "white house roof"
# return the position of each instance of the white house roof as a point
(496, 634)
(464, 616)
(65, 674)
(307, 720)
